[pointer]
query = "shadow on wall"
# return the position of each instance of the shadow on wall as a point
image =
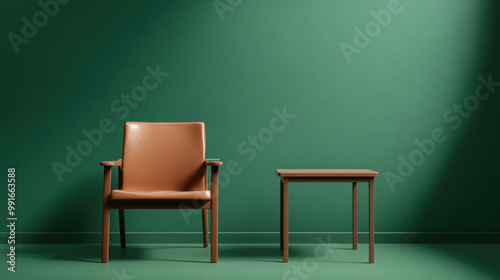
(77, 210)
(468, 181)
(468, 190)
(81, 208)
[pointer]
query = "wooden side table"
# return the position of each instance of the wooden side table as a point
(328, 175)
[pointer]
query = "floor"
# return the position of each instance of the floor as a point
(255, 261)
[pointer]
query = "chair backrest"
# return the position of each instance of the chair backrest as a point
(163, 156)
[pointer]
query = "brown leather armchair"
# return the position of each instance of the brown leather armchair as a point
(163, 167)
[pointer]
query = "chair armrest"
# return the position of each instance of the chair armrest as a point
(213, 162)
(107, 178)
(112, 163)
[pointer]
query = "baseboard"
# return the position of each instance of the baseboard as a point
(257, 237)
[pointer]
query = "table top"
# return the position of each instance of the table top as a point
(326, 173)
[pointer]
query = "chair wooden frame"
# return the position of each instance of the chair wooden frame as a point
(121, 205)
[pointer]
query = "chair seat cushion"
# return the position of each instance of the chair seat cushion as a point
(124, 194)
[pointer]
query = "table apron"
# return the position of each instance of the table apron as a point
(327, 179)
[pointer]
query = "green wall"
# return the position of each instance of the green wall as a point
(231, 72)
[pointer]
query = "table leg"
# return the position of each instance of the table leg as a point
(285, 220)
(354, 215)
(372, 220)
(281, 214)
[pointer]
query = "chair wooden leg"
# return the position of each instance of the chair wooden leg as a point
(105, 235)
(355, 216)
(215, 233)
(121, 214)
(214, 185)
(205, 226)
